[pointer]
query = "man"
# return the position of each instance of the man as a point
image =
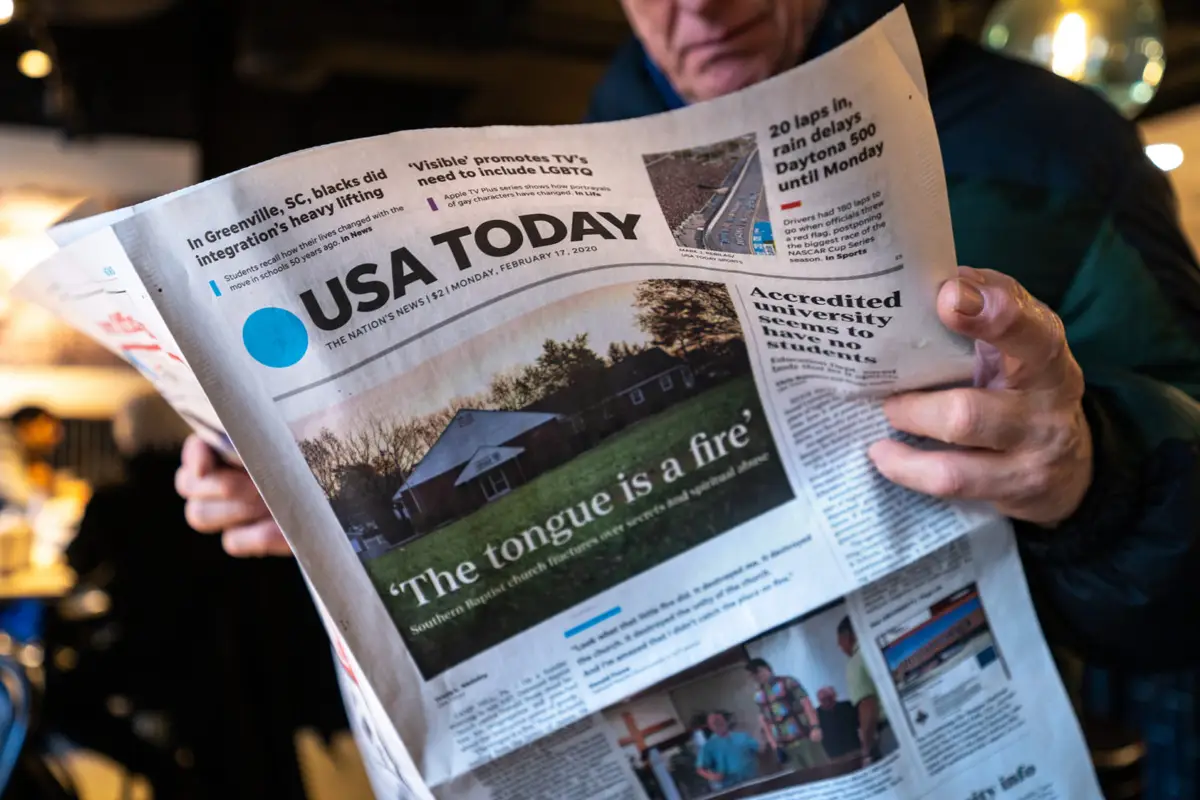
(26, 471)
(1089, 462)
(839, 724)
(1083, 425)
(875, 734)
(786, 716)
(729, 757)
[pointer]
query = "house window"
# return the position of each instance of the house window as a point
(577, 423)
(495, 484)
(636, 397)
(665, 383)
(689, 380)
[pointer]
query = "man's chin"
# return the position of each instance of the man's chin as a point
(722, 78)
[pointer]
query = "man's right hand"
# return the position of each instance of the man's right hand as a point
(222, 499)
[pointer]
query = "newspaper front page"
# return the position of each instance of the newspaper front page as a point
(567, 428)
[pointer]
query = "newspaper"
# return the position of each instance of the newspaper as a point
(567, 428)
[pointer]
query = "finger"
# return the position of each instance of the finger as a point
(996, 420)
(214, 516)
(993, 308)
(196, 461)
(198, 457)
(262, 538)
(957, 475)
(222, 484)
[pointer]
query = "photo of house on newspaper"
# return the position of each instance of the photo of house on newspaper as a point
(502, 449)
(548, 459)
(943, 658)
(714, 197)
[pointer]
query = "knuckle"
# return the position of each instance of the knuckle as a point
(1069, 431)
(256, 537)
(1054, 332)
(1073, 383)
(1036, 481)
(963, 418)
(1008, 312)
(234, 543)
(181, 482)
(945, 480)
(196, 515)
(1036, 477)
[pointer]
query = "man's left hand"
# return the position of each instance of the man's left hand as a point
(1028, 445)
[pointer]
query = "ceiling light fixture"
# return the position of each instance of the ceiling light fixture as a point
(34, 64)
(25, 214)
(1112, 46)
(1165, 156)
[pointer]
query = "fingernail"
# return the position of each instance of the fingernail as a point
(968, 300)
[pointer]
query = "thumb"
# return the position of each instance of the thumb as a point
(993, 308)
(960, 298)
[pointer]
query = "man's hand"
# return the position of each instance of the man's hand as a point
(1029, 446)
(815, 735)
(222, 499)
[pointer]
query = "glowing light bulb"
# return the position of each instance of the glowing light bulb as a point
(1112, 46)
(7, 9)
(34, 64)
(1165, 156)
(1069, 47)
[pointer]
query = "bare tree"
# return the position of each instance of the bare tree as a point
(507, 391)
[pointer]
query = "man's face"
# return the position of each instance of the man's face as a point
(708, 48)
(717, 724)
(827, 698)
(846, 643)
(39, 435)
(762, 676)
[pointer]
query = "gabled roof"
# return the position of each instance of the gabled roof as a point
(486, 458)
(470, 430)
(613, 380)
(639, 368)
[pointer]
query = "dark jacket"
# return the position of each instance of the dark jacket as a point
(1049, 184)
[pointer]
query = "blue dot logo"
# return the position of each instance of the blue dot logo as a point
(275, 337)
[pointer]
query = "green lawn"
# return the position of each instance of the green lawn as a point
(640, 448)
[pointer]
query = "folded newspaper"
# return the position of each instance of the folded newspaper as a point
(567, 428)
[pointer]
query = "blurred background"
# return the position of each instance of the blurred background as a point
(104, 103)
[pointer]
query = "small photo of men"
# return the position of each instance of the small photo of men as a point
(787, 718)
(745, 723)
(875, 732)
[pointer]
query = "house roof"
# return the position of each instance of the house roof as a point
(623, 375)
(470, 430)
(487, 458)
(639, 368)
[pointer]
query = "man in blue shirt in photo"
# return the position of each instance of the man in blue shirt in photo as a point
(729, 757)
